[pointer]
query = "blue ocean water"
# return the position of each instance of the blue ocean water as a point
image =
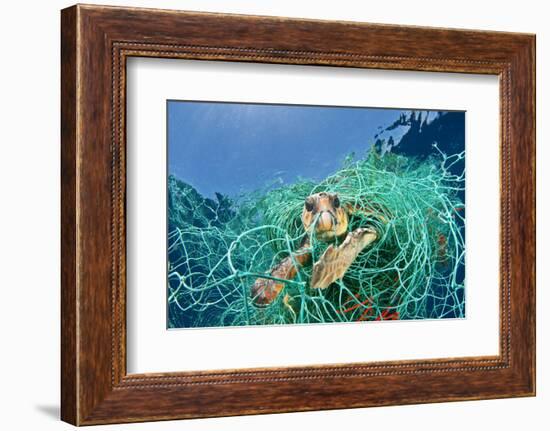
(231, 148)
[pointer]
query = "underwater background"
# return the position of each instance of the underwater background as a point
(238, 177)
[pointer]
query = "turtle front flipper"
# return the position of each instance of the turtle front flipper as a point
(335, 261)
(265, 290)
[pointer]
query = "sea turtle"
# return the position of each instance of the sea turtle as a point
(324, 216)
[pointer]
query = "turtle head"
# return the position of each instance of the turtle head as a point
(324, 216)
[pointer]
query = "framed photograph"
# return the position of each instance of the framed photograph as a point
(264, 214)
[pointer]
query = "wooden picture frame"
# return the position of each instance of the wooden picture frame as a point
(95, 43)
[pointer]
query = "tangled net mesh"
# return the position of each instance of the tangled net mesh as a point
(415, 270)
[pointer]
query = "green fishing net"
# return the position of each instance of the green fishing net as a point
(218, 248)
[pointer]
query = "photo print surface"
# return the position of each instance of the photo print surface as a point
(298, 214)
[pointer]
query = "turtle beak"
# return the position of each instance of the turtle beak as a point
(326, 222)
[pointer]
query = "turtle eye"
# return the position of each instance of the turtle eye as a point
(309, 205)
(336, 202)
